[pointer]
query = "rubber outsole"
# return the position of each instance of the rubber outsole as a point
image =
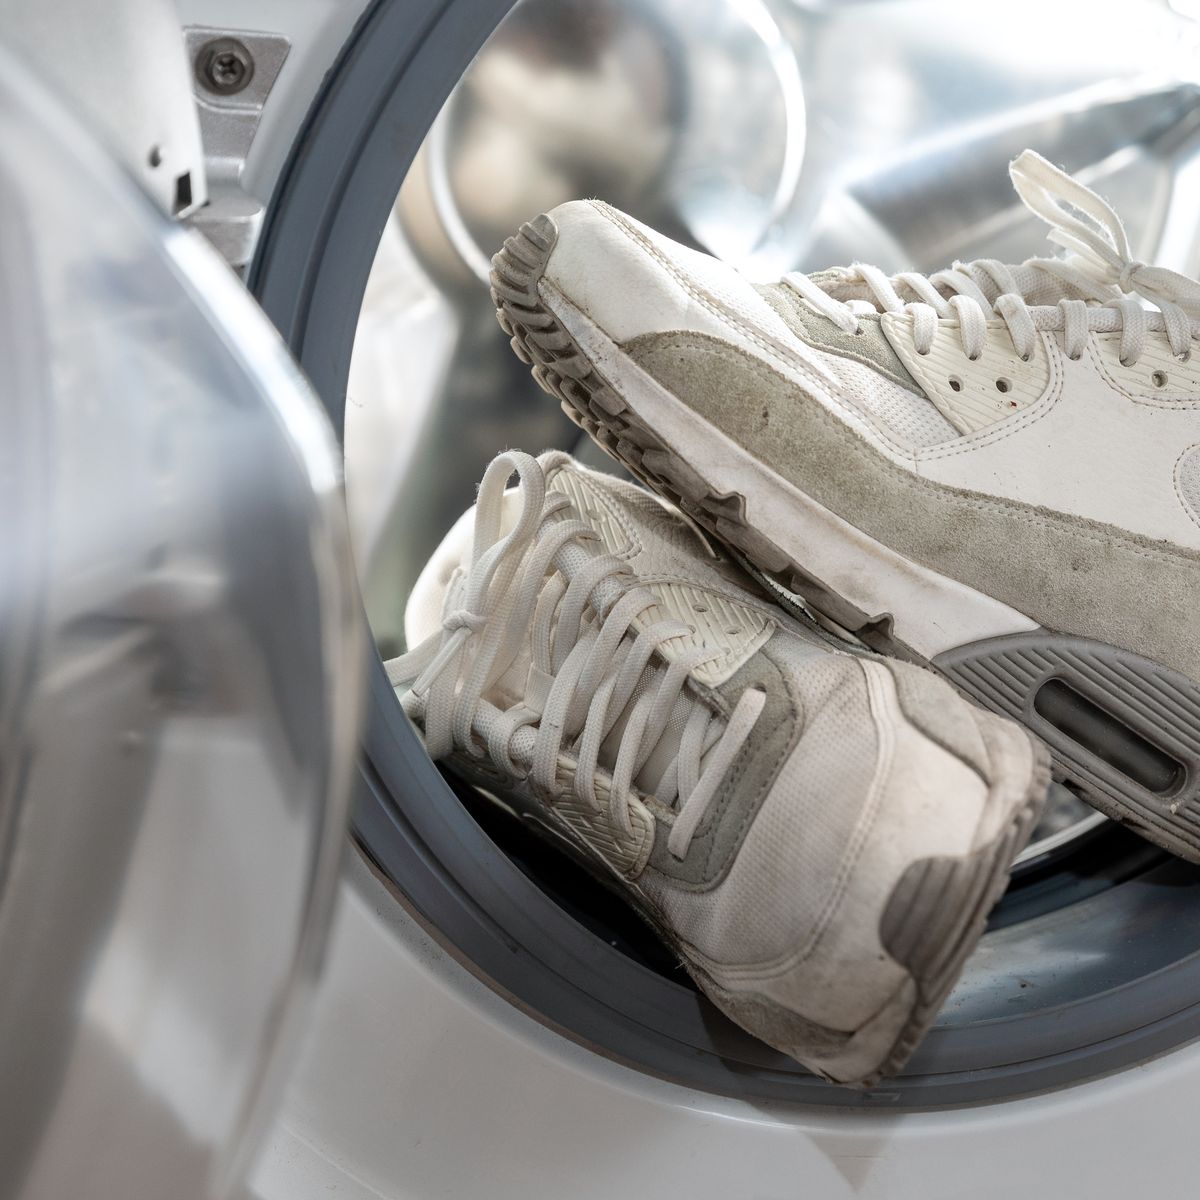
(1163, 700)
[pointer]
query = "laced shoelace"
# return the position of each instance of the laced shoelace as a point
(544, 588)
(1099, 274)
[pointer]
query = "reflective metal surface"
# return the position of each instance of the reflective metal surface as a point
(179, 685)
(774, 134)
(232, 218)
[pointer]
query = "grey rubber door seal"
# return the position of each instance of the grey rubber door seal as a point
(1092, 965)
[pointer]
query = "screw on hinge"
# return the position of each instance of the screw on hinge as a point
(224, 66)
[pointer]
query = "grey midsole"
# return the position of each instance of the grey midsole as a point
(1124, 728)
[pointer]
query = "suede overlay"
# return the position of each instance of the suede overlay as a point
(747, 781)
(1065, 572)
(777, 1026)
(935, 708)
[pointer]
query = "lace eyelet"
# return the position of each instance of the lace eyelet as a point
(1003, 385)
(973, 357)
(1127, 362)
(1158, 378)
(1186, 356)
(923, 353)
(1074, 357)
(1026, 357)
(955, 383)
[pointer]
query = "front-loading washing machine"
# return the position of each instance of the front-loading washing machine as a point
(488, 1021)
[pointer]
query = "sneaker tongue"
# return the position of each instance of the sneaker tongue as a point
(524, 683)
(1037, 287)
(733, 631)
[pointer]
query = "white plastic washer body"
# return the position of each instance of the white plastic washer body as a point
(420, 1081)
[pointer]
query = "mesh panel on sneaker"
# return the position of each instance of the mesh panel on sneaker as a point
(876, 388)
(907, 416)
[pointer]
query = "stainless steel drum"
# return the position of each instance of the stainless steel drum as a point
(179, 684)
(771, 133)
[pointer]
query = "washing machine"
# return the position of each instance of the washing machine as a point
(486, 1021)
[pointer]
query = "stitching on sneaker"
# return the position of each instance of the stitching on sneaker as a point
(1008, 427)
(880, 703)
(793, 958)
(1146, 400)
(713, 818)
(1177, 483)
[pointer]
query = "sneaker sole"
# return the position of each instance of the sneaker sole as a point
(1124, 730)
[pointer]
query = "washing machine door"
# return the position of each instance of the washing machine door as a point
(179, 695)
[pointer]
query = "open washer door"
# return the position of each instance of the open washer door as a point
(179, 684)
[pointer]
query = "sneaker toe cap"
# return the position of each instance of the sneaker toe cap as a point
(632, 281)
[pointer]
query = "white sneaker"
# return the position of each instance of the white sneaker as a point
(995, 470)
(818, 834)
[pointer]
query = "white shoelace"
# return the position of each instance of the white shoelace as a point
(1100, 278)
(543, 586)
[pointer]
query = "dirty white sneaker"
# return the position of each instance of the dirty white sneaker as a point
(819, 835)
(994, 469)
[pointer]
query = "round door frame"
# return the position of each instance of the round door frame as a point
(1010, 1035)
